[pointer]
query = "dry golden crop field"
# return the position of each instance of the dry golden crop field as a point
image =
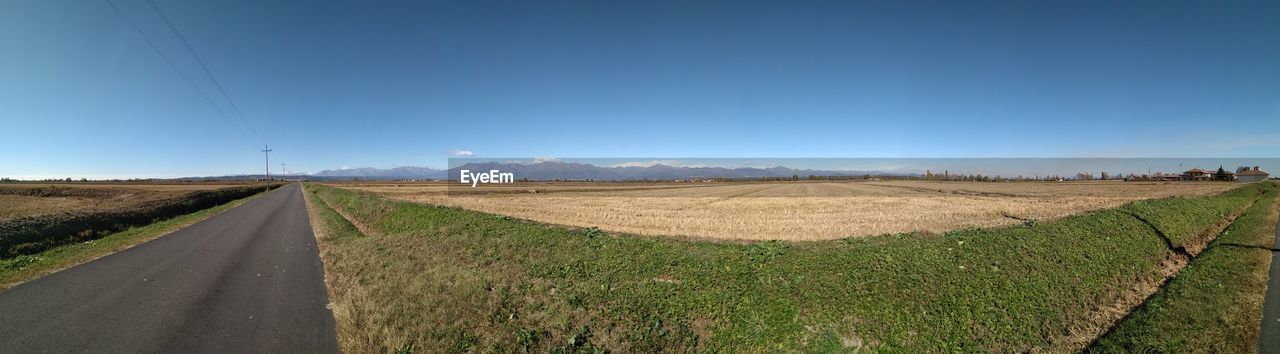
(795, 210)
(31, 199)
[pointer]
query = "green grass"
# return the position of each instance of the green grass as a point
(439, 277)
(16, 270)
(1183, 219)
(1215, 304)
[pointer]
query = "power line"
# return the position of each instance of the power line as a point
(175, 67)
(191, 50)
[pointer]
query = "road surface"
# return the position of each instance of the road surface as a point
(246, 280)
(1270, 341)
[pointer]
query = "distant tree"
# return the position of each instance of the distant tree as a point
(68, 179)
(1222, 175)
(795, 177)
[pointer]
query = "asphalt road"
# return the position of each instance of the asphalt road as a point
(1270, 340)
(246, 280)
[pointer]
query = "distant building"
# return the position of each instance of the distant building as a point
(1254, 175)
(1196, 174)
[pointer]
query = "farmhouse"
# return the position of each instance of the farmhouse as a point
(1196, 174)
(1253, 175)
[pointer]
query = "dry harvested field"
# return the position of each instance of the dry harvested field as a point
(32, 199)
(793, 210)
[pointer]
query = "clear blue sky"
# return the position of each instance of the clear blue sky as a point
(365, 83)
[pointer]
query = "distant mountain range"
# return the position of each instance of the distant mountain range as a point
(553, 170)
(403, 172)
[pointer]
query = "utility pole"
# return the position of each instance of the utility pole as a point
(283, 171)
(266, 154)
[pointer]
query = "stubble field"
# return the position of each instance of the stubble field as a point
(798, 211)
(32, 199)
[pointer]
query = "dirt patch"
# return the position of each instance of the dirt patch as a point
(1202, 242)
(1015, 217)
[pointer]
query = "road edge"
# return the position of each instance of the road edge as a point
(1269, 340)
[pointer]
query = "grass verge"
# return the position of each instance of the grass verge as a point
(35, 234)
(1182, 220)
(439, 278)
(339, 242)
(15, 270)
(1215, 304)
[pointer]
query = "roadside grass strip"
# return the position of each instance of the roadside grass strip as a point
(1215, 304)
(447, 279)
(1183, 220)
(22, 268)
(353, 308)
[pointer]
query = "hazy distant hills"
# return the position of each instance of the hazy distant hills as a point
(403, 172)
(553, 170)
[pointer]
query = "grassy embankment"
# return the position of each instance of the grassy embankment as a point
(1215, 304)
(429, 278)
(35, 234)
(54, 257)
